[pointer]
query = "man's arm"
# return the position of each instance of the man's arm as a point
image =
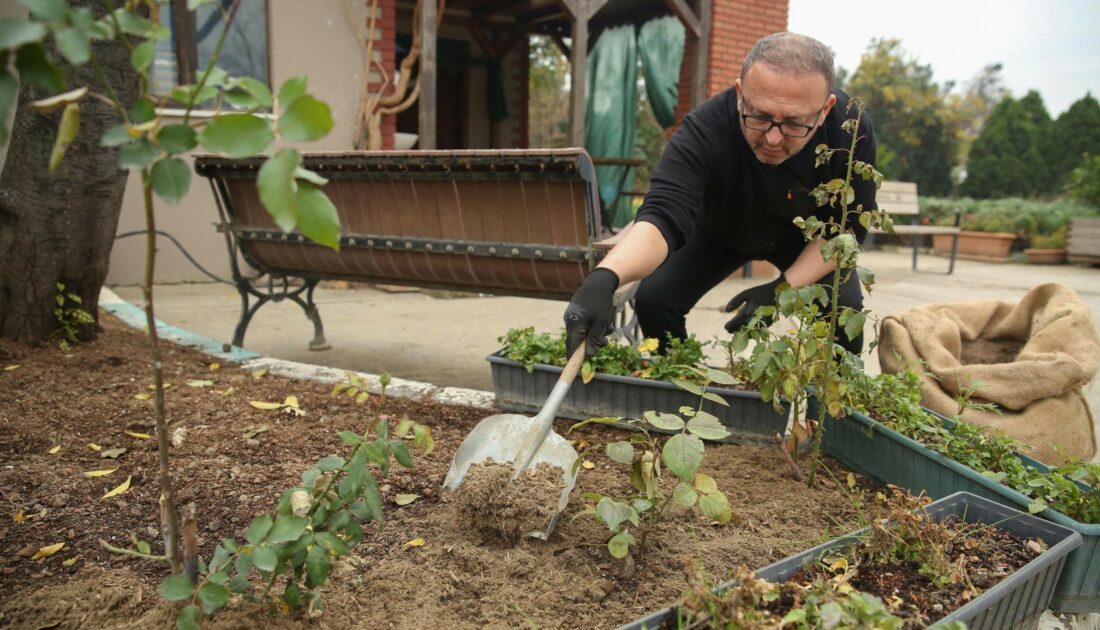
(809, 267)
(642, 250)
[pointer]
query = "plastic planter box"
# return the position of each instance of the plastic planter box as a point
(872, 449)
(1016, 601)
(748, 418)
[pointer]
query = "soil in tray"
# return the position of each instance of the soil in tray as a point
(234, 460)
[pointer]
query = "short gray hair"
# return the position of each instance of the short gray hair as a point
(791, 52)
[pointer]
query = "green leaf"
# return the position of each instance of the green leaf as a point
(177, 138)
(278, 189)
(310, 176)
(682, 455)
(720, 376)
(239, 583)
(257, 529)
(171, 179)
(265, 558)
(684, 495)
(292, 595)
(48, 10)
(613, 513)
(73, 44)
(317, 217)
(707, 426)
(15, 32)
(131, 23)
(350, 438)
(137, 155)
(715, 398)
(705, 484)
(188, 618)
(249, 92)
(141, 57)
(317, 567)
(237, 135)
(194, 4)
(35, 69)
(619, 545)
(143, 111)
(306, 119)
(185, 94)
(213, 597)
(331, 462)
(688, 387)
(666, 421)
(715, 507)
(854, 326)
(286, 529)
(622, 452)
(291, 90)
(401, 453)
(740, 341)
(176, 588)
(66, 132)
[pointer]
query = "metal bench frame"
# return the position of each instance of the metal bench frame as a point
(899, 199)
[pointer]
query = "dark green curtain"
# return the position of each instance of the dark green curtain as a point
(661, 48)
(611, 101)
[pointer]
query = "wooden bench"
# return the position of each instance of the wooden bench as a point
(900, 199)
(502, 222)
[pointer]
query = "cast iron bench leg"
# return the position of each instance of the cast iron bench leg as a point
(247, 287)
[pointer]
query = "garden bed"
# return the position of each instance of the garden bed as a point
(234, 460)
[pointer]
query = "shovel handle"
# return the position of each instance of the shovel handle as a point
(573, 365)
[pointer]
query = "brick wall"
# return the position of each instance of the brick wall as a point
(384, 52)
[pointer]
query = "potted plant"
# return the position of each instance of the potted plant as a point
(904, 558)
(989, 231)
(1048, 249)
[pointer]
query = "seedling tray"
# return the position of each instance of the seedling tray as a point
(872, 449)
(749, 419)
(1016, 601)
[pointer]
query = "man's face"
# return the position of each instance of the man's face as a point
(771, 96)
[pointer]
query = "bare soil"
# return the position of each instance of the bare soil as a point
(506, 510)
(234, 460)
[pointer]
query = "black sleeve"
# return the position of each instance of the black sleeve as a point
(679, 181)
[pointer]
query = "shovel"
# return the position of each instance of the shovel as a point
(511, 437)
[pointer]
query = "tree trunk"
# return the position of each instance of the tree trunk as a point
(60, 226)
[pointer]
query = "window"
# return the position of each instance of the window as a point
(181, 58)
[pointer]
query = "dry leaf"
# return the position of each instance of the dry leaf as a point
(71, 561)
(18, 517)
(415, 542)
(214, 366)
(291, 401)
(143, 436)
(113, 453)
(840, 565)
(94, 447)
(254, 431)
(587, 465)
(405, 499)
(259, 404)
(154, 386)
(99, 473)
(1034, 546)
(228, 391)
(199, 383)
(259, 373)
(142, 396)
(178, 436)
(123, 487)
(851, 480)
(9, 368)
(47, 551)
(55, 449)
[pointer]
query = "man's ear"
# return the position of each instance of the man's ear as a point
(829, 102)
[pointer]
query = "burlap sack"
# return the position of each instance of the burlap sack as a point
(1031, 359)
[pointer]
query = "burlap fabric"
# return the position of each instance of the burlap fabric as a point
(1030, 359)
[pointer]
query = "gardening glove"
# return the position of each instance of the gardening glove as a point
(749, 300)
(591, 312)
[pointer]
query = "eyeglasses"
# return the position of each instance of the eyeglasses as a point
(764, 124)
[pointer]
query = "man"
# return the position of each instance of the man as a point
(725, 191)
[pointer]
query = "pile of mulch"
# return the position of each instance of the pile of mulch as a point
(233, 460)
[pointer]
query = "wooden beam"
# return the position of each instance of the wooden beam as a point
(491, 8)
(427, 99)
(573, 8)
(594, 7)
(690, 18)
(482, 39)
(699, 76)
(579, 65)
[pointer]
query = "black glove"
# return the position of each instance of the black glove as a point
(591, 313)
(751, 299)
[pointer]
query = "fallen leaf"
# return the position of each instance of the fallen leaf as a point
(405, 499)
(1034, 546)
(142, 396)
(840, 565)
(113, 453)
(214, 366)
(143, 436)
(587, 465)
(178, 436)
(71, 561)
(291, 401)
(94, 447)
(851, 480)
(415, 542)
(18, 517)
(154, 386)
(54, 450)
(123, 487)
(259, 404)
(9, 368)
(259, 373)
(228, 391)
(47, 551)
(254, 431)
(199, 383)
(99, 473)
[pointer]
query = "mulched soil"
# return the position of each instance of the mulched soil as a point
(233, 461)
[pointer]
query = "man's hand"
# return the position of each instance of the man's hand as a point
(749, 300)
(591, 313)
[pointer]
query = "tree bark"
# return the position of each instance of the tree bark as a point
(60, 226)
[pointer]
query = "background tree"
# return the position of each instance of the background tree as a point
(1007, 159)
(548, 107)
(1083, 183)
(972, 107)
(913, 127)
(1073, 135)
(57, 227)
(1036, 111)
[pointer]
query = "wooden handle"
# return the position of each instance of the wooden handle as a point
(574, 365)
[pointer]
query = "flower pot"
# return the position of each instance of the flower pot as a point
(748, 418)
(984, 246)
(1016, 601)
(1046, 256)
(874, 450)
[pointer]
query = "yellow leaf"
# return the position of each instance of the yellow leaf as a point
(122, 487)
(587, 465)
(228, 391)
(154, 386)
(284, 607)
(199, 382)
(94, 446)
(99, 473)
(9, 368)
(143, 436)
(142, 396)
(18, 516)
(259, 404)
(405, 499)
(851, 480)
(259, 373)
(839, 565)
(415, 542)
(214, 366)
(291, 401)
(47, 551)
(55, 449)
(70, 562)
(648, 345)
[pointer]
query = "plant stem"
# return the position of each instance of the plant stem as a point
(169, 518)
(130, 552)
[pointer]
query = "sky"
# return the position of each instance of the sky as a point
(1051, 46)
